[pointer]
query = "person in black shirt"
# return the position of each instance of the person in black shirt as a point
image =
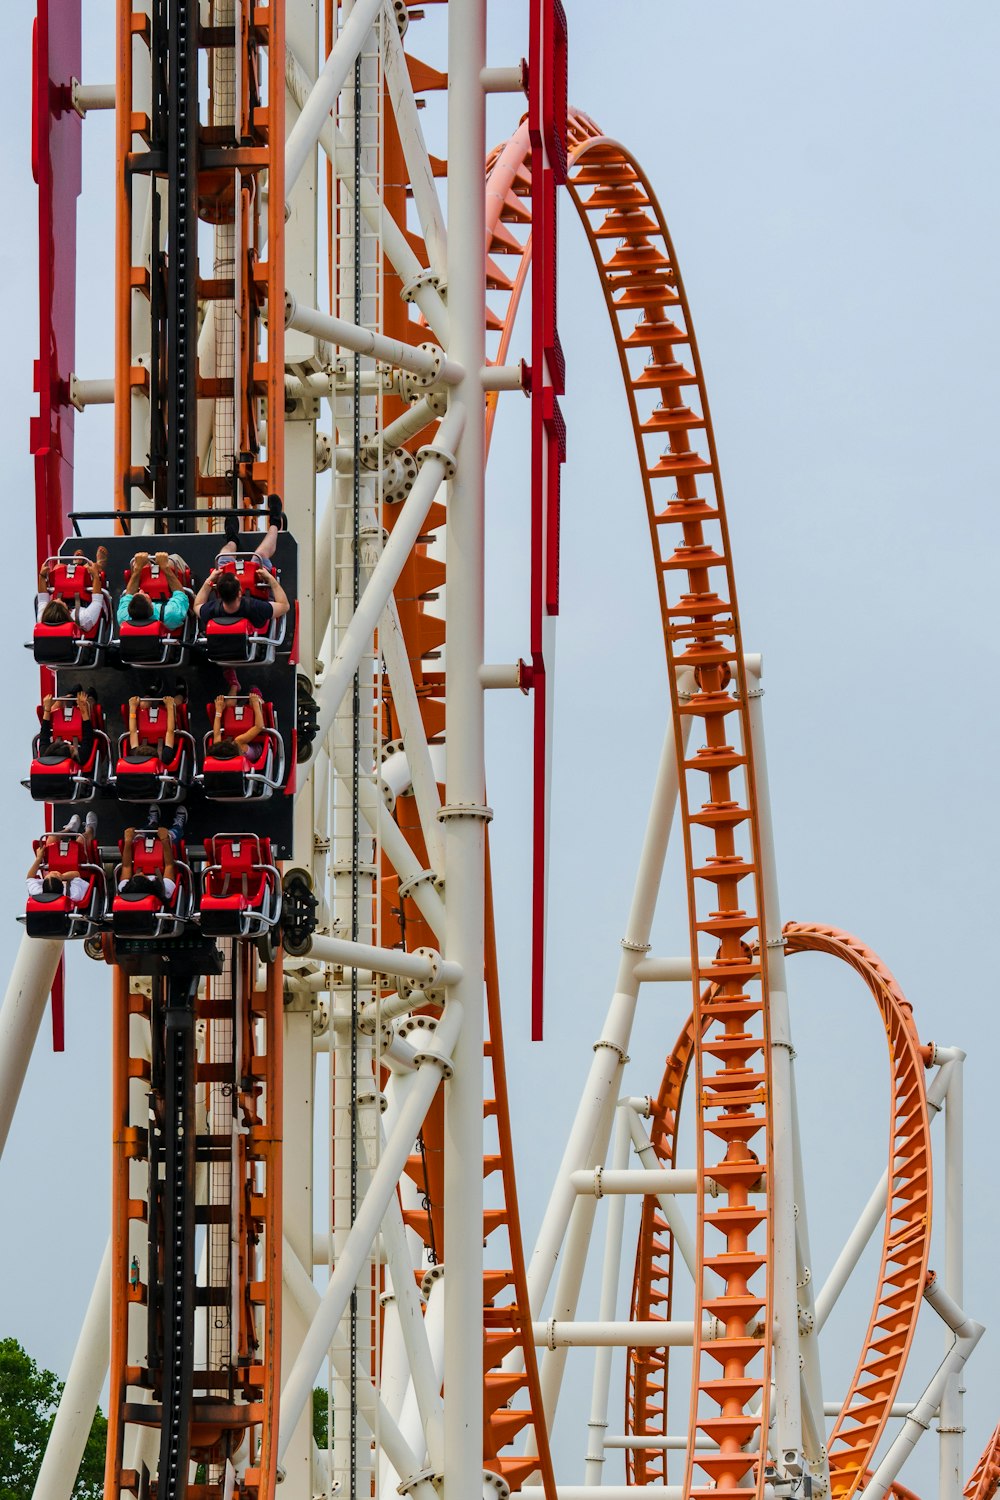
(222, 593)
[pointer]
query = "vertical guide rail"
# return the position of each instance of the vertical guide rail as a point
(178, 1128)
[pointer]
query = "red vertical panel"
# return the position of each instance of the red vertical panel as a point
(56, 167)
(56, 158)
(548, 130)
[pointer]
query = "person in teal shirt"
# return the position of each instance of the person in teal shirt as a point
(138, 608)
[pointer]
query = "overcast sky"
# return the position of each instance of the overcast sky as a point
(829, 176)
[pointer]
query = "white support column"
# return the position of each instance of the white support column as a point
(589, 1134)
(465, 812)
(81, 1395)
(20, 1017)
(951, 1431)
(421, 1089)
(297, 1216)
(598, 1425)
(786, 1396)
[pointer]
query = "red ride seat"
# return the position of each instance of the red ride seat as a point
(149, 643)
(55, 915)
(67, 780)
(246, 778)
(231, 637)
(162, 777)
(67, 645)
(241, 890)
(142, 914)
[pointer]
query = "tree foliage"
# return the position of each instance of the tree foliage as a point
(320, 1413)
(28, 1400)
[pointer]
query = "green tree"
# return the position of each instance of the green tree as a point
(321, 1432)
(28, 1400)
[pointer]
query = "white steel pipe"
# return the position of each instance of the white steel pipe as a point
(610, 1275)
(90, 392)
(870, 1216)
(607, 1492)
(589, 1133)
(673, 1443)
(316, 106)
(663, 969)
(365, 620)
(897, 1409)
(504, 80)
(421, 1088)
(967, 1334)
(683, 1238)
(426, 201)
(603, 1181)
(502, 674)
(672, 1334)
(28, 989)
(87, 96)
(951, 1428)
(371, 1408)
(395, 246)
(420, 1360)
(502, 377)
(346, 335)
(395, 846)
(421, 966)
(81, 1394)
(423, 778)
(420, 415)
(465, 827)
(786, 1394)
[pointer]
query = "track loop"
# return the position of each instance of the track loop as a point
(906, 1240)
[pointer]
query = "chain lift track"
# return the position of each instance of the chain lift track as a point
(198, 1083)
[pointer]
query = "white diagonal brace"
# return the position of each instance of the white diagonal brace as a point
(20, 1017)
(411, 137)
(317, 102)
(395, 847)
(397, 248)
(418, 755)
(371, 1408)
(436, 462)
(397, 1147)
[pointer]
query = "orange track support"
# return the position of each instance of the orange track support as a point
(906, 1238)
(256, 1188)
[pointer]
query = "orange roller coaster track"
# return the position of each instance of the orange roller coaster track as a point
(905, 1245)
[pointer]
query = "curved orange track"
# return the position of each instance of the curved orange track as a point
(905, 1246)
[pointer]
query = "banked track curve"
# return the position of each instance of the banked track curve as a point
(905, 1243)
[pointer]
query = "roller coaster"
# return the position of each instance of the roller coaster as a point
(261, 765)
